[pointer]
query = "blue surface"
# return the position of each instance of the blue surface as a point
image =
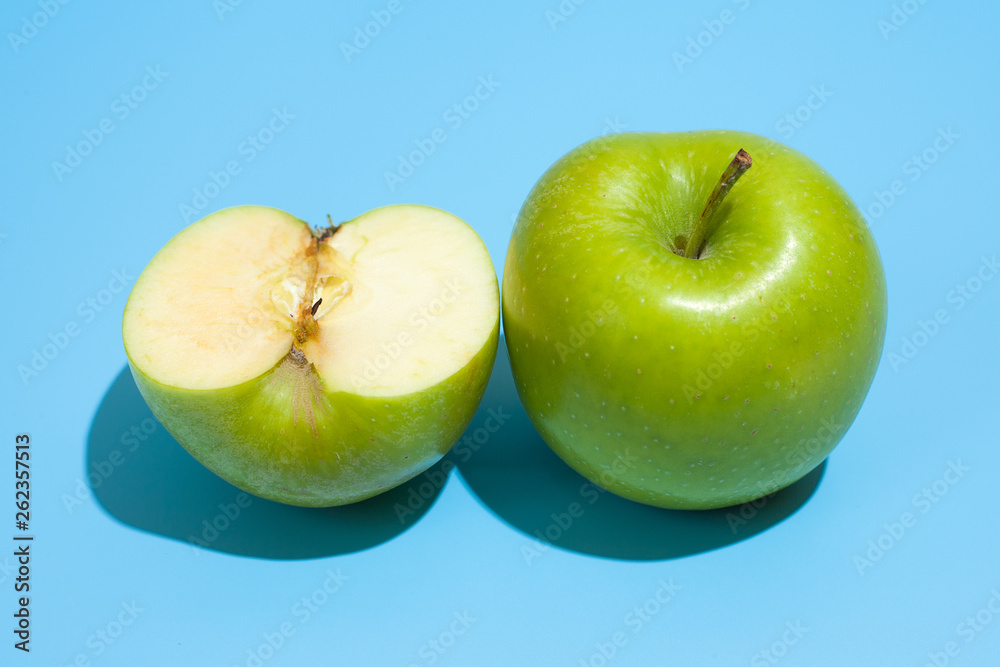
(463, 581)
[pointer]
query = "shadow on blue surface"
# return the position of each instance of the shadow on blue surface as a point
(141, 476)
(517, 476)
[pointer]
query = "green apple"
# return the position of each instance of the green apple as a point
(690, 325)
(316, 368)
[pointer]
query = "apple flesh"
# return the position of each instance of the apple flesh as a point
(316, 368)
(689, 362)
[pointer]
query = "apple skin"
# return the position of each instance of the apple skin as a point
(691, 383)
(256, 437)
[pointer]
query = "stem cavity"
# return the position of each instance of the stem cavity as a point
(704, 226)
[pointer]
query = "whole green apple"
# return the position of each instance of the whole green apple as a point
(692, 325)
(316, 367)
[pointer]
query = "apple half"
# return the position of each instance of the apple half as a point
(316, 367)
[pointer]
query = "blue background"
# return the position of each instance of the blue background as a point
(464, 580)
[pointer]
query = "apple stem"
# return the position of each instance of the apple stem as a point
(703, 227)
(324, 233)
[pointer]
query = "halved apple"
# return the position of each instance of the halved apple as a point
(316, 367)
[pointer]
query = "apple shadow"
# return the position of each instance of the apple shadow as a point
(515, 474)
(142, 477)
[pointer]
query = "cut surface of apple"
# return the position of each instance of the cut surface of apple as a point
(297, 363)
